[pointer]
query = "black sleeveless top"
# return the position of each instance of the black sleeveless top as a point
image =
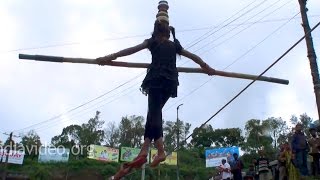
(162, 72)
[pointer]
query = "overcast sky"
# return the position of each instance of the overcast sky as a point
(249, 34)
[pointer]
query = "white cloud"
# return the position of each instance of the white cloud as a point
(298, 97)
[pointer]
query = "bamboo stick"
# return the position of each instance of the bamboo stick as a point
(145, 65)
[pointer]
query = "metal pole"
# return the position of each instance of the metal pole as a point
(275, 140)
(143, 172)
(311, 53)
(178, 134)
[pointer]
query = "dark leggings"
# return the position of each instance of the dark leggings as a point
(157, 98)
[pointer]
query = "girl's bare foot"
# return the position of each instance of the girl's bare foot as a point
(142, 157)
(124, 170)
(137, 162)
(160, 157)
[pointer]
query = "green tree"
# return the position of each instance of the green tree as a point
(137, 129)
(207, 137)
(294, 120)
(112, 135)
(63, 140)
(306, 121)
(277, 129)
(184, 133)
(201, 137)
(170, 135)
(227, 137)
(131, 131)
(170, 131)
(31, 143)
(257, 136)
(84, 135)
(303, 119)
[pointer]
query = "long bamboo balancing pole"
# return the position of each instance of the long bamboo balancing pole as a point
(145, 65)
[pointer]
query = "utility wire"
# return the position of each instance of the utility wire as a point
(233, 62)
(253, 16)
(194, 90)
(208, 34)
(60, 115)
(141, 35)
(245, 88)
(86, 110)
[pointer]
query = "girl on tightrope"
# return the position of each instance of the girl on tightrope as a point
(160, 83)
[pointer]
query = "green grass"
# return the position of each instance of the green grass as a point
(92, 169)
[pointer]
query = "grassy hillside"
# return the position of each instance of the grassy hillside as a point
(191, 167)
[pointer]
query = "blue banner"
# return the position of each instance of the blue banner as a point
(214, 156)
(52, 154)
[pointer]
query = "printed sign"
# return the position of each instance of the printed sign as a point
(128, 154)
(214, 156)
(53, 154)
(170, 160)
(103, 153)
(15, 157)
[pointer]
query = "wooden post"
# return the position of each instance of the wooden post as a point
(311, 53)
(4, 175)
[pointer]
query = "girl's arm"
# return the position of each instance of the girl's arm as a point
(124, 52)
(199, 61)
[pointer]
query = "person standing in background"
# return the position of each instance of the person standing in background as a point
(236, 167)
(226, 170)
(300, 149)
(263, 166)
(282, 163)
(314, 143)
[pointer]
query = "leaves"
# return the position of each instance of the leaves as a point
(201, 137)
(207, 137)
(131, 131)
(227, 137)
(267, 134)
(112, 135)
(84, 135)
(171, 129)
(31, 143)
(277, 129)
(258, 134)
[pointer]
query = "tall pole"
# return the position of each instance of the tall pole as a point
(178, 134)
(7, 149)
(275, 143)
(311, 53)
(143, 172)
(275, 140)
